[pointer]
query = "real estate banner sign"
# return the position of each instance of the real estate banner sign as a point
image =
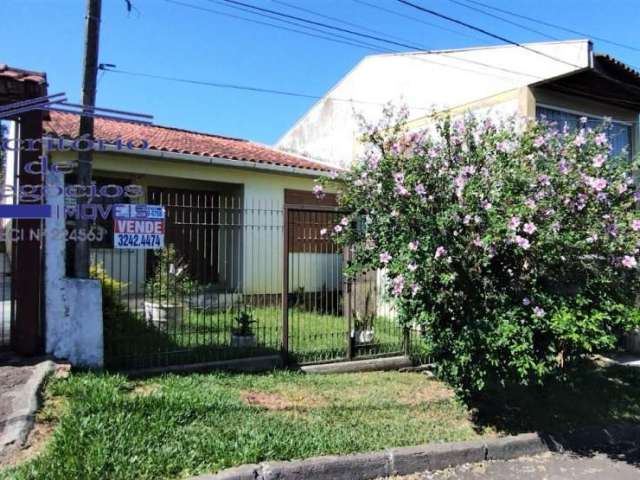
(138, 226)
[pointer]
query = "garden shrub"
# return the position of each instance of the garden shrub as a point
(515, 245)
(122, 326)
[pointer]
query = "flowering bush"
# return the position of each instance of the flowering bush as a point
(514, 245)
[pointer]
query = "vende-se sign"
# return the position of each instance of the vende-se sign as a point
(138, 226)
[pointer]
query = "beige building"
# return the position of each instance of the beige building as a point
(559, 80)
(224, 199)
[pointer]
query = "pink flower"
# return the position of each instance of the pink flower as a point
(504, 146)
(530, 203)
(337, 228)
(385, 258)
(420, 190)
(323, 232)
(522, 242)
(580, 140)
(598, 184)
(514, 223)
(544, 180)
(538, 312)
(486, 205)
(318, 191)
(402, 191)
(563, 167)
(374, 160)
(601, 139)
(529, 228)
(598, 160)
(629, 262)
(635, 225)
(344, 222)
(398, 285)
(415, 288)
(412, 267)
(440, 252)
(413, 246)
(539, 141)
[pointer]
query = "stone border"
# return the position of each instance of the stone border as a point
(367, 365)
(243, 365)
(408, 460)
(26, 401)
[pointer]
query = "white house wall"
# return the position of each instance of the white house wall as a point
(424, 82)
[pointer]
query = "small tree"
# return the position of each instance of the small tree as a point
(171, 279)
(514, 245)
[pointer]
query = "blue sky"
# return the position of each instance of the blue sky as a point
(163, 38)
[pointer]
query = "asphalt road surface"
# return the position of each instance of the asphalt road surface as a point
(620, 465)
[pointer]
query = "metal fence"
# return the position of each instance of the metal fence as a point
(6, 299)
(234, 282)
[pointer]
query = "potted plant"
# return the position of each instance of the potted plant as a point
(167, 288)
(242, 334)
(363, 331)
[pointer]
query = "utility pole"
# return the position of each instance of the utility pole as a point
(85, 158)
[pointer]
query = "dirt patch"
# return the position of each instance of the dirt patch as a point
(145, 389)
(279, 401)
(432, 392)
(36, 442)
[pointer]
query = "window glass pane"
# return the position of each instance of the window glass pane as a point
(619, 134)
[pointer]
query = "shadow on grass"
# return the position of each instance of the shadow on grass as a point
(586, 398)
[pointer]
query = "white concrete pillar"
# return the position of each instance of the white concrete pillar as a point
(73, 307)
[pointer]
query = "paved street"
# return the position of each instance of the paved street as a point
(548, 466)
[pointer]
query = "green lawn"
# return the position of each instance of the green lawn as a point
(206, 337)
(174, 426)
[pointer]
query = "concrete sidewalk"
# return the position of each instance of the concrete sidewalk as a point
(547, 466)
(20, 384)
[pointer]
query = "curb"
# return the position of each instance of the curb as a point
(366, 365)
(246, 365)
(25, 403)
(408, 460)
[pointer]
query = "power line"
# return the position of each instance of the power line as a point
(324, 25)
(556, 26)
(255, 89)
(418, 20)
(353, 43)
(361, 44)
(336, 19)
(249, 88)
(510, 22)
(370, 46)
(419, 48)
(486, 32)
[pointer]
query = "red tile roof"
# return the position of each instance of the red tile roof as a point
(22, 75)
(168, 139)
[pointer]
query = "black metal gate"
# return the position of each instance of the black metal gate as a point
(327, 317)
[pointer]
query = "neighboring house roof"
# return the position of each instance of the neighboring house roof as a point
(20, 75)
(175, 140)
(17, 84)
